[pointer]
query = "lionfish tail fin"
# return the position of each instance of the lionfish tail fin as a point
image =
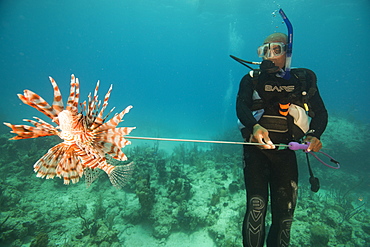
(120, 175)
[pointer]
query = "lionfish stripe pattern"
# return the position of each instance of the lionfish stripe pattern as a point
(87, 136)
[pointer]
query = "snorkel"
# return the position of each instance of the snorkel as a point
(289, 49)
(289, 44)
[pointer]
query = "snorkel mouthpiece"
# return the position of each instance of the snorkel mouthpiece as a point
(269, 66)
(289, 45)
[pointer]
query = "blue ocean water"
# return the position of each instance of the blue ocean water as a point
(170, 59)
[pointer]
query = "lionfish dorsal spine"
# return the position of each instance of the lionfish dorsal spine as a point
(72, 103)
(36, 101)
(99, 118)
(58, 100)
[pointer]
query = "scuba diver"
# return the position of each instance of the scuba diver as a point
(276, 105)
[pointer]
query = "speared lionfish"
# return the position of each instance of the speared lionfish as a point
(87, 137)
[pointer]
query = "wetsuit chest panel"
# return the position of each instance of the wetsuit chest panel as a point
(274, 90)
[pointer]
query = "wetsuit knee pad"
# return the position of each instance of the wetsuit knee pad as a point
(284, 233)
(255, 221)
(257, 203)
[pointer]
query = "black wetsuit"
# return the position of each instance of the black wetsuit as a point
(273, 172)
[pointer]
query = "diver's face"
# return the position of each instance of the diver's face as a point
(275, 48)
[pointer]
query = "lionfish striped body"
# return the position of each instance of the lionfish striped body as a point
(87, 136)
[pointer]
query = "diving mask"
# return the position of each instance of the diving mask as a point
(271, 50)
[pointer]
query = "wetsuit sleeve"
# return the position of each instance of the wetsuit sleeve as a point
(244, 103)
(320, 119)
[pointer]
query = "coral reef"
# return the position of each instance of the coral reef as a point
(192, 195)
(41, 240)
(146, 195)
(319, 235)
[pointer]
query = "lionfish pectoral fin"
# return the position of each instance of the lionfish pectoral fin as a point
(61, 161)
(120, 175)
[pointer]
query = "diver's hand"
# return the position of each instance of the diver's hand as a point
(261, 135)
(315, 143)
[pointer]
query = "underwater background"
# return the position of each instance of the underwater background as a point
(170, 60)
